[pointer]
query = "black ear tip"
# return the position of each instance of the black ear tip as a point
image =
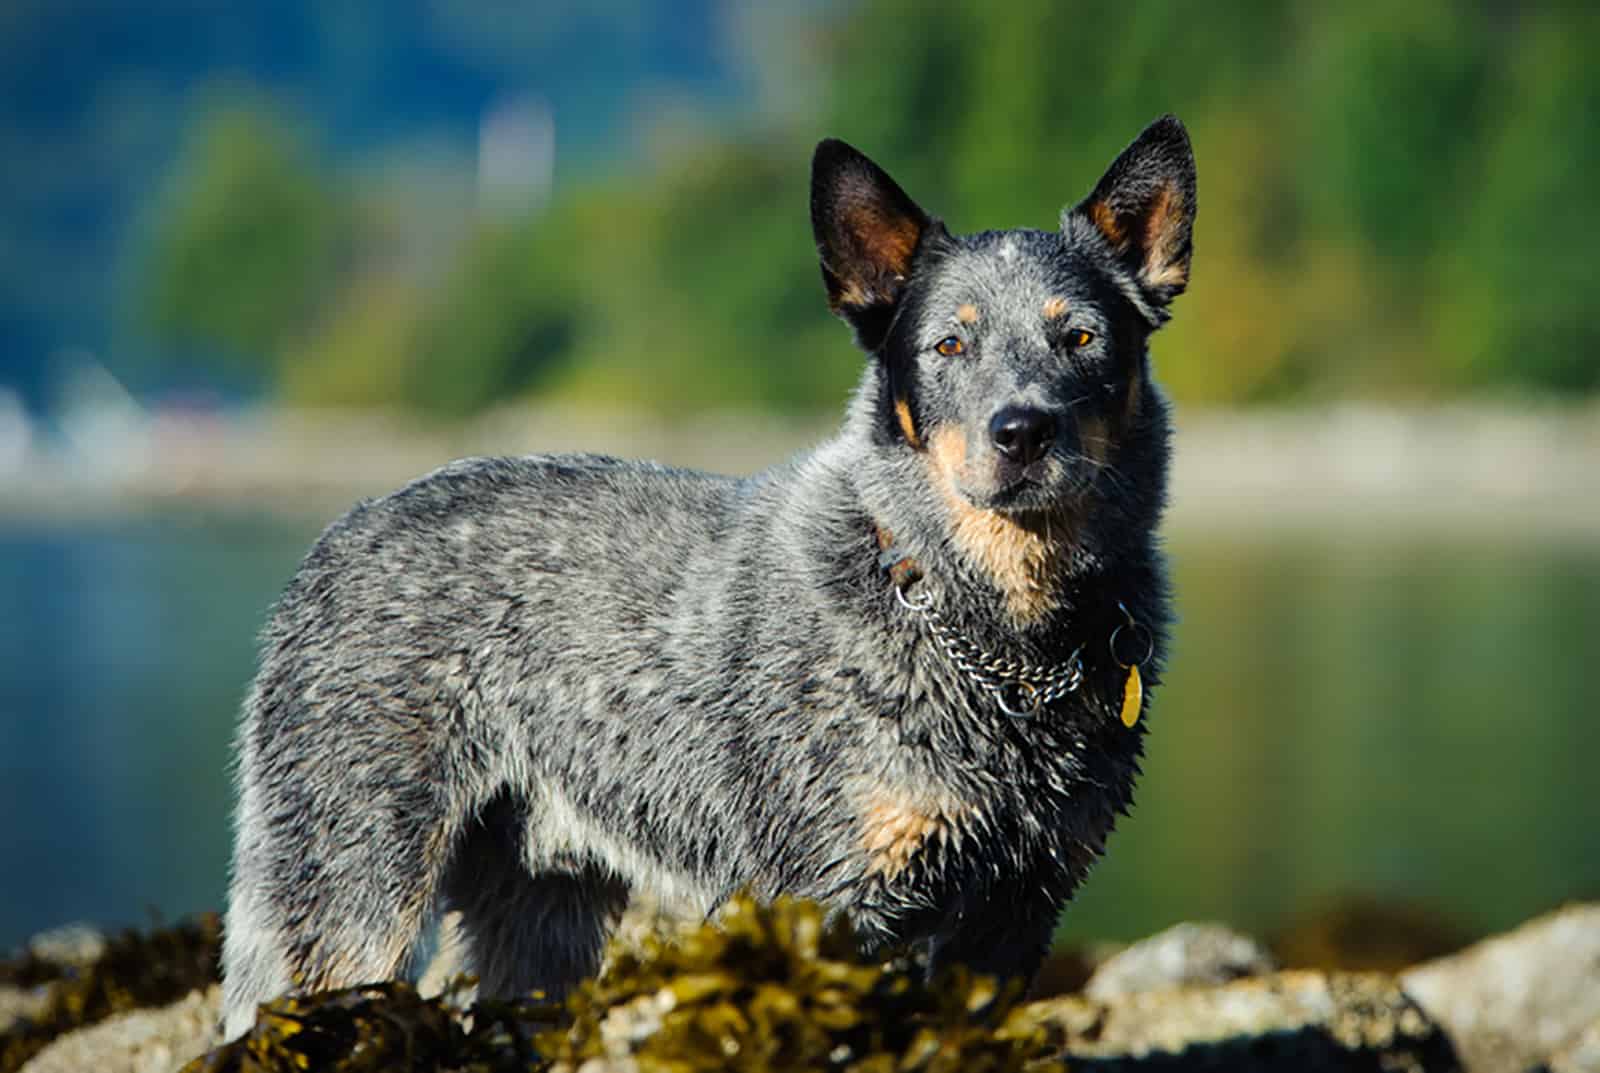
(1172, 136)
(1168, 130)
(830, 154)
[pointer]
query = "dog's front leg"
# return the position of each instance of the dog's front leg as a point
(1004, 937)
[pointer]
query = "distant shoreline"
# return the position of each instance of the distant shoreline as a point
(1533, 472)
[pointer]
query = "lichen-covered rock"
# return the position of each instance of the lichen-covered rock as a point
(1514, 1001)
(69, 946)
(1185, 955)
(1286, 1021)
(142, 1041)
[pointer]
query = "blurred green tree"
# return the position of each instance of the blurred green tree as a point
(1392, 205)
(251, 241)
(503, 322)
(1517, 307)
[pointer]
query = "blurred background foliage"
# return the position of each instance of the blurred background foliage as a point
(1394, 200)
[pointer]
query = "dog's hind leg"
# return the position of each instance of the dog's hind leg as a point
(334, 878)
(523, 930)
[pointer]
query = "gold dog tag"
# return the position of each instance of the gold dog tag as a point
(1132, 697)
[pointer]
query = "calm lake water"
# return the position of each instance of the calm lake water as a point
(1408, 718)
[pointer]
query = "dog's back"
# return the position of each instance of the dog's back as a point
(530, 685)
(393, 674)
(887, 675)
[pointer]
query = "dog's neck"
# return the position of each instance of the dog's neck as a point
(1091, 632)
(1022, 575)
(1026, 563)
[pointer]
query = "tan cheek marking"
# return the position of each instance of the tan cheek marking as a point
(967, 313)
(1017, 559)
(1054, 307)
(902, 411)
(892, 833)
(948, 445)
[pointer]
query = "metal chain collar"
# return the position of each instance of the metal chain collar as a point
(1020, 689)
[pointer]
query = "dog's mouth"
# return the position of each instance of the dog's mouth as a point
(1060, 478)
(1035, 490)
(1022, 493)
(1053, 485)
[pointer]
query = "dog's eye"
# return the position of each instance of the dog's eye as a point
(950, 346)
(1077, 337)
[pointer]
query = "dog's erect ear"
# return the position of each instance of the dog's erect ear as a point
(1144, 208)
(867, 232)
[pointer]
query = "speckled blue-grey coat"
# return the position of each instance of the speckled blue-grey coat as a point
(523, 688)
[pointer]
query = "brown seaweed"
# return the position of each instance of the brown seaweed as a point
(385, 1027)
(768, 988)
(776, 988)
(137, 970)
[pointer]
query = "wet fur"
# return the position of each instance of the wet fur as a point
(524, 689)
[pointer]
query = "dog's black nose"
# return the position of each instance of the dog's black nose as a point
(1022, 434)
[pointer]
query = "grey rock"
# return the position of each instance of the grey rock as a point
(19, 1003)
(1514, 1001)
(74, 945)
(1184, 955)
(70, 946)
(1285, 1021)
(144, 1041)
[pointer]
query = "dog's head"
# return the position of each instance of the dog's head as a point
(1014, 359)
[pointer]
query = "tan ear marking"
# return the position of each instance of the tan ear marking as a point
(1162, 225)
(850, 293)
(887, 240)
(1106, 220)
(1163, 228)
